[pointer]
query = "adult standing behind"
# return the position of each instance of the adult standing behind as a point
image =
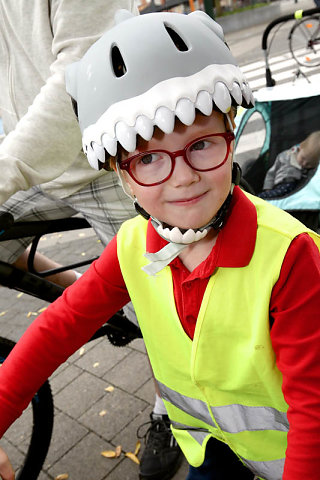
(44, 172)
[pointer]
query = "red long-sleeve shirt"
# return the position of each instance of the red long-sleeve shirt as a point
(100, 292)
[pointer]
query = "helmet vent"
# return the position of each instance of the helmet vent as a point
(118, 65)
(177, 40)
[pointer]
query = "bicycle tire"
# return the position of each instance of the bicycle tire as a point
(304, 41)
(42, 414)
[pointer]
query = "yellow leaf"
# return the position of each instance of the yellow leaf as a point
(109, 453)
(133, 457)
(81, 351)
(42, 309)
(96, 364)
(138, 446)
(63, 476)
(3, 313)
(109, 389)
(19, 294)
(118, 450)
(103, 413)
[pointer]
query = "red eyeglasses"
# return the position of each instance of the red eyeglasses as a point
(202, 154)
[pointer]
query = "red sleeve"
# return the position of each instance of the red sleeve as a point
(59, 331)
(295, 335)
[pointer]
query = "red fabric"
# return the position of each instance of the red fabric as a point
(294, 312)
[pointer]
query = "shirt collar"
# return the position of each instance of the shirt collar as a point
(235, 242)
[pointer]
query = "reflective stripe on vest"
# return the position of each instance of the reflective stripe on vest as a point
(230, 418)
(272, 469)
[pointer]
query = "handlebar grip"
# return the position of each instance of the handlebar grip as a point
(6, 221)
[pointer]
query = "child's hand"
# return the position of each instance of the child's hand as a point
(6, 470)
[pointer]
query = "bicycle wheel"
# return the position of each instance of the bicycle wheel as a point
(29, 440)
(304, 41)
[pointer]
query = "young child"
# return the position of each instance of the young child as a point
(234, 281)
(289, 167)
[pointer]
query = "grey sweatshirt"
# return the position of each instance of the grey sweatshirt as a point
(38, 38)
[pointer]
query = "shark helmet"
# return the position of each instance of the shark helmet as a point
(146, 71)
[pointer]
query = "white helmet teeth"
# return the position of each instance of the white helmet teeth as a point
(126, 136)
(110, 144)
(236, 93)
(164, 119)
(221, 97)
(144, 127)
(176, 236)
(157, 108)
(246, 92)
(204, 102)
(185, 111)
(99, 151)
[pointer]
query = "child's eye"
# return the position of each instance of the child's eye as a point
(150, 158)
(146, 159)
(200, 145)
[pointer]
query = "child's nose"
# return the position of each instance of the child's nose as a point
(183, 174)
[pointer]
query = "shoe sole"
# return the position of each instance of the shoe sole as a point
(168, 476)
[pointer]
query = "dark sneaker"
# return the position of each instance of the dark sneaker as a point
(162, 456)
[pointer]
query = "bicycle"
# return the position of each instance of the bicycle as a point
(119, 331)
(303, 38)
(304, 41)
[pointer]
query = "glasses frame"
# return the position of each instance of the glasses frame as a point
(228, 136)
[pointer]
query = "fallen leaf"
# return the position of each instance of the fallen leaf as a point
(31, 313)
(3, 313)
(118, 450)
(103, 413)
(81, 351)
(83, 254)
(96, 364)
(62, 476)
(19, 294)
(109, 453)
(109, 389)
(133, 457)
(42, 309)
(138, 446)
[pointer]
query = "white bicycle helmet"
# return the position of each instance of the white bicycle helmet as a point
(146, 71)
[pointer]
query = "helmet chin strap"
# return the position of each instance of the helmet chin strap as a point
(180, 239)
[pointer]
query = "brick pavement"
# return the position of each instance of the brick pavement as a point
(80, 431)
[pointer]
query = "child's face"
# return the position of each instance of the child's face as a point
(304, 160)
(189, 198)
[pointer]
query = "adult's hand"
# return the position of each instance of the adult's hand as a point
(6, 470)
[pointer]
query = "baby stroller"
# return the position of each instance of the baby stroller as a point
(283, 116)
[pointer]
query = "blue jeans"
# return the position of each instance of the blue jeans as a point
(220, 463)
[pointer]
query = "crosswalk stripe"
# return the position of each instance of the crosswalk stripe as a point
(284, 69)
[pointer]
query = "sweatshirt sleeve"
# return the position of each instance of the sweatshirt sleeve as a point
(59, 331)
(270, 175)
(295, 335)
(47, 139)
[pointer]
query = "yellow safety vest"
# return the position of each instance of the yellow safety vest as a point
(225, 382)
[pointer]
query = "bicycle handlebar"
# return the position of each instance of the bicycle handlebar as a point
(9, 229)
(285, 18)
